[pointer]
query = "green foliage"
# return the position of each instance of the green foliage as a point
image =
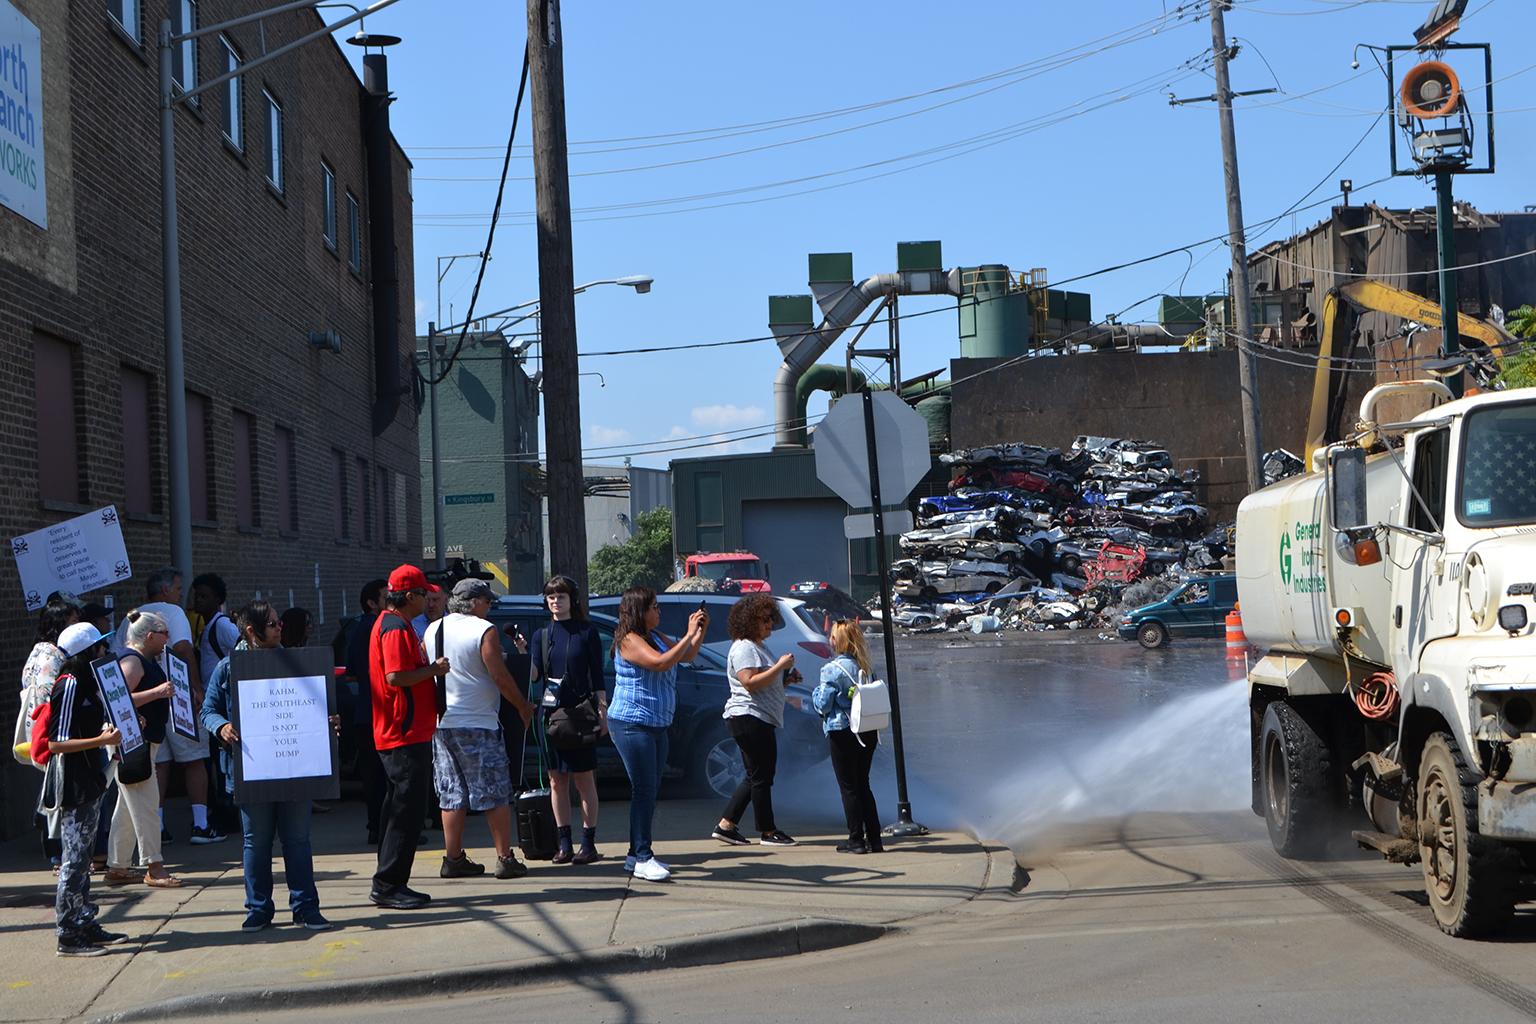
(1519, 370)
(1522, 322)
(645, 560)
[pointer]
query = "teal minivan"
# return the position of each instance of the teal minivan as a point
(1197, 607)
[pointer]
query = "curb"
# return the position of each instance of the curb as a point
(745, 944)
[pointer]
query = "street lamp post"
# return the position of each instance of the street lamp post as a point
(175, 364)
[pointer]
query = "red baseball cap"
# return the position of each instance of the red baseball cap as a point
(408, 577)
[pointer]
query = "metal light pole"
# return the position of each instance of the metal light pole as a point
(175, 364)
(1445, 237)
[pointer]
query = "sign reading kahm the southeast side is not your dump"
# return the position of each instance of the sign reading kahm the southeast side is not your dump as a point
(284, 728)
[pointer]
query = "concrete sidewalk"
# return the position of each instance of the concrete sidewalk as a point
(188, 955)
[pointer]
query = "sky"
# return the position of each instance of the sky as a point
(1025, 133)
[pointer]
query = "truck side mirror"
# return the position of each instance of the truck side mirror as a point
(1347, 488)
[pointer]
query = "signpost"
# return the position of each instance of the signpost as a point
(866, 440)
(469, 499)
(78, 555)
(281, 701)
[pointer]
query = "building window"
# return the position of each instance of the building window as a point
(328, 204)
(364, 502)
(184, 59)
(386, 507)
(138, 444)
(234, 98)
(58, 467)
(354, 233)
(287, 467)
(199, 472)
(247, 497)
(126, 14)
(274, 141)
(342, 507)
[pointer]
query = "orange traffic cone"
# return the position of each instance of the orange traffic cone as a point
(1237, 643)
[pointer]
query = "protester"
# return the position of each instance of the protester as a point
(98, 615)
(753, 712)
(219, 633)
(298, 625)
(851, 754)
(42, 667)
(567, 655)
(136, 821)
(404, 718)
(261, 821)
(437, 606)
(644, 701)
(469, 757)
(78, 730)
(163, 590)
(359, 711)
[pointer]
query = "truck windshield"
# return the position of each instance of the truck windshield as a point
(742, 570)
(1498, 466)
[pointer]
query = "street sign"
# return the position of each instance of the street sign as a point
(469, 499)
(862, 524)
(842, 450)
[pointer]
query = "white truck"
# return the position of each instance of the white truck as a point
(1392, 592)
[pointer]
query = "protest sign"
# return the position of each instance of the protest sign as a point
(78, 555)
(119, 701)
(280, 702)
(183, 715)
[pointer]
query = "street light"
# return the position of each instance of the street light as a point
(641, 283)
(175, 365)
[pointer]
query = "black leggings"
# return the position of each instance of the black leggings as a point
(851, 763)
(760, 753)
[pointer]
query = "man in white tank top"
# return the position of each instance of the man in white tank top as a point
(469, 758)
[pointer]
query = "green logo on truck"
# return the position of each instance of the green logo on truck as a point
(1301, 569)
(1285, 558)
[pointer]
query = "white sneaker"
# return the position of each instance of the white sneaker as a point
(652, 871)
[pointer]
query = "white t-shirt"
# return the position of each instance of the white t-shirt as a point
(223, 629)
(767, 703)
(473, 699)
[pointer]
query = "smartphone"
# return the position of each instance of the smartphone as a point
(704, 606)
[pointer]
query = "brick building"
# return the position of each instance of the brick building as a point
(295, 493)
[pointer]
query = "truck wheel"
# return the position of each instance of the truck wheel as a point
(1152, 635)
(1470, 880)
(1296, 768)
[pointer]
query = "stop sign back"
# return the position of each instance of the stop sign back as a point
(842, 450)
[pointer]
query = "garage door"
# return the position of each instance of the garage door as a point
(800, 539)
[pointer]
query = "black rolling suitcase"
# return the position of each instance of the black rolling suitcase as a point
(536, 812)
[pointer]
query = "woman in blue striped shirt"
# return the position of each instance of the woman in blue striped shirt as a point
(644, 700)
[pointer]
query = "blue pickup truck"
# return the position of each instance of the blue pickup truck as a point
(1197, 607)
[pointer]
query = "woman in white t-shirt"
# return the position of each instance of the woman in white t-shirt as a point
(753, 711)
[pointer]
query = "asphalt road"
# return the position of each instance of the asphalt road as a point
(1146, 892)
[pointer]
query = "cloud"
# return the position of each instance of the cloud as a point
(677, 432)
(603, 436)
(727, 417)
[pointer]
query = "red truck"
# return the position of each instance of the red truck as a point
(740, 567)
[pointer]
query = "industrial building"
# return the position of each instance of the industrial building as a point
(295, 221)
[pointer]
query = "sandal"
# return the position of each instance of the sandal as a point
(167, 882)
(120, 876)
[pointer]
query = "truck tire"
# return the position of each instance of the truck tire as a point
(1296, 770)
(1471, 881)
(1152, 635)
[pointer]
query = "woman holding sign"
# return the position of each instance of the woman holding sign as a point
(262, 822)
(137, 817)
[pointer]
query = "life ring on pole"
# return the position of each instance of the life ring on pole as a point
(1430, 90)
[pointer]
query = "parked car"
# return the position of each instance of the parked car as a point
(701, 752)
(824, 605)
(1197, 607)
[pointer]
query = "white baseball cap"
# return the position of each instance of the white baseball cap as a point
(82, 636)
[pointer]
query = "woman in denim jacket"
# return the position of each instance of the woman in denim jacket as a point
(851, 755)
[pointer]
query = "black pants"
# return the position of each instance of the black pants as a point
(408, 775)
(851, 763)
(370, 772)
(760, 754)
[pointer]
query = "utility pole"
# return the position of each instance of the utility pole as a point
(1242, 318)
(1445, 229)
(557, 300)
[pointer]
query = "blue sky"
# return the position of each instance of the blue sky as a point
(1073, 162)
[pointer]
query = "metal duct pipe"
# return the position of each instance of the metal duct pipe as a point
(823, 377)
(802, 350)
(381, 241)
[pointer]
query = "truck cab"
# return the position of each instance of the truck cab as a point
(1393, 589)
(743, 568)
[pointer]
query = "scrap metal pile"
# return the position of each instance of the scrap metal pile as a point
(1040, 538)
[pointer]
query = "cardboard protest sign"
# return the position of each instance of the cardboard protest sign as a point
(183, 715)
(280, 702)
(119, 701)
(78, 555)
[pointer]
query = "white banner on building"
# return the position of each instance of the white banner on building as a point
(23, 180)
(78, 555)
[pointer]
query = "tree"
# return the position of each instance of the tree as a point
(1519, 370)
(645, 560)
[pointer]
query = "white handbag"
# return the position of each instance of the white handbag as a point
(871, 703)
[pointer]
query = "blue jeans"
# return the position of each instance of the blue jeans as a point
(643, 749)
(288, 820)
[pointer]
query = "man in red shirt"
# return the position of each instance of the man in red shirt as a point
(404, 690)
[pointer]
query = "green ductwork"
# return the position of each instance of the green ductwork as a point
(823, 377)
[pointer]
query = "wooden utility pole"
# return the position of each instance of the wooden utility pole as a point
(557, 300)
(1247, 370)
